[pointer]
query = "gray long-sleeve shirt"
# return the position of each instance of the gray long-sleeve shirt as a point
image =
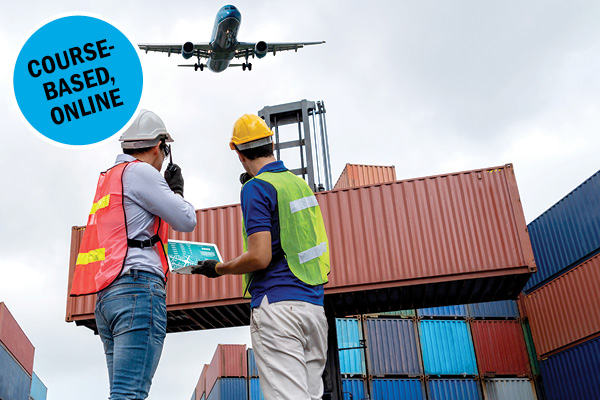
(146, 195)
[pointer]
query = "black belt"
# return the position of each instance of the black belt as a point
(143, 243)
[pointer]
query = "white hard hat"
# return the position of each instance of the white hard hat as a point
(147, 130)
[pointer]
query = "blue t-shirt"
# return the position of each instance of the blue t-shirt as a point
(259, 207)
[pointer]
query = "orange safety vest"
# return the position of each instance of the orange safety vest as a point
(104, 246)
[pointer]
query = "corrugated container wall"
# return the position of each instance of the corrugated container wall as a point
(533, 361)
(252, 368)
(229, 361)
(573, 374)
(387, 389)
(567, 232)
(229, 389)
(355, 175)
(494, 309)
(448, 311)
(466, 227)
(566, 310)
(454, 389)
(500, 348)
(14, 381)
(201, 385)
(15, 340)
(447, 348)
(509, 389)
(392, 347)
(39, 391)
(255, 390)
(349, 335)
(353, 389)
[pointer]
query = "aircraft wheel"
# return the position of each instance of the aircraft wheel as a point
(195, 67)
(201, 67)
(250, 67)
(243, 66)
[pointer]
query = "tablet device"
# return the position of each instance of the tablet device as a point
(183, 255)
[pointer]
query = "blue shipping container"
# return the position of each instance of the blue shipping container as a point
(229, 389)
(449, 311)
(573, 373)
(252, 368)
(14, 381)
(392, 347)
(566, 233)
(38, 389)
(454, 389)
(255, 390)
(447, 348)
(397, 389)
(349, 334)
(494, 309)
(193, 396)
(353, 389)
(508, 389)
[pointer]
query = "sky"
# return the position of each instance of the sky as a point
(430, 87)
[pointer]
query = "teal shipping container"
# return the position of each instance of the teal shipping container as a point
(14, 381)
(454, 389)
(494, 309)
(447, 348)
(353, 389)
(509, 389)
(535, 367)
(392, 347)
(349, 336)
(38, 389)
(229, 389)
(388, 389)
(255, 390)
(252, 368)
(460, 311)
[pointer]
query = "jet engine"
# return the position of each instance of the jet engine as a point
(187, 50)
(260, 49)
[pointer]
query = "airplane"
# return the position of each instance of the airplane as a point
(224, 46)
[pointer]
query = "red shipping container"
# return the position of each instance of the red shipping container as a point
(229, 361)
(521, 306)
(355, 175)
(500, 348)
(15, 340)
(566, 311)
(201, 385)
(426, 242)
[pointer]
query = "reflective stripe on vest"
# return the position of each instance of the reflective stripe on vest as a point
(103, 247)
(302, 230)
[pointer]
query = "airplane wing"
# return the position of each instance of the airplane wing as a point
(200, 49)
(271, 47)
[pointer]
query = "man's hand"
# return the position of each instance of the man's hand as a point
(174, 178)
(207, 268)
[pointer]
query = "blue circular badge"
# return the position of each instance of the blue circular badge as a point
(78, 80)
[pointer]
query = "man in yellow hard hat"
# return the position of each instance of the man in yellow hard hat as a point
(285, 264)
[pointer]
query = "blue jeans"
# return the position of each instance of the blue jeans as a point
(131, 316)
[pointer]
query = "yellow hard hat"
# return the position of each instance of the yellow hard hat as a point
(247, 132)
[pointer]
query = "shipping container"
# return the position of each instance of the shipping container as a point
(229, 389)
(15, 384)
(494, 309)
(228, 361)
(567, 232)
(521, 305)
(350, 336)
(500, 348)
(400, 314)
(533, 361)
(447, 348)
(386, 389)
(15, 340)
(255, 389)
(573, 374)
(508, 389)
(355, 175)
(353, 389)
(566, 310)
(459, 311)
(38, 391)
(193, 396)
(454, 389)
(201, 385)
(434, 241)
(252, 368)
(392, 347)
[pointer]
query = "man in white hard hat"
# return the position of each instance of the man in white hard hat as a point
(122, 254)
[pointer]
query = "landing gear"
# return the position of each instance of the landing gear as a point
(199, 65)
(247, 65)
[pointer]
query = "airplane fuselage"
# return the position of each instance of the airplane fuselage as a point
(224, 38)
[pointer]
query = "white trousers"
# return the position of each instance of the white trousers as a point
(290, 347)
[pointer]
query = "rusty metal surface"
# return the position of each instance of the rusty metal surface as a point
(566, 310)
(426, 242)
(355, 175)
(15, 341)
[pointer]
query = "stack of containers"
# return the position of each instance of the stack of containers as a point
(38, 389)
(200, 390)
(16, 358)
(226, 375)
(561, 300)
(254, 389)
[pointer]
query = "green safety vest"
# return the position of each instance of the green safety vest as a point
(302, 231)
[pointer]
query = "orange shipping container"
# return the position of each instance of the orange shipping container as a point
(15, 340)
(355, 175)
(426, 242)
